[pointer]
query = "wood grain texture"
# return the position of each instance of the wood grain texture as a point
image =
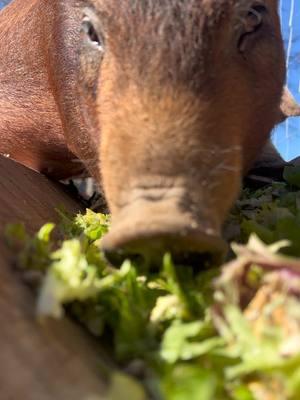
(50, 361)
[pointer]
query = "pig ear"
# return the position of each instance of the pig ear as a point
(288, 107)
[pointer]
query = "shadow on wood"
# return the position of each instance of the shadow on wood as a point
(55, 360)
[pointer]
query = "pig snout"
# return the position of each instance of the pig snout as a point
(168, 184)
(155, 223)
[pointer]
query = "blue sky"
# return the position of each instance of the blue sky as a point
(3, 2)
(286, 136)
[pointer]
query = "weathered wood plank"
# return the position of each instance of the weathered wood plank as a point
(50, 361)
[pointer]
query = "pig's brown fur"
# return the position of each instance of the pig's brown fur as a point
(161, 88)
(30, 125)
(162, 39)
(174, 111)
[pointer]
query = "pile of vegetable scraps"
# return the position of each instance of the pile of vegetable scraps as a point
(229, 332)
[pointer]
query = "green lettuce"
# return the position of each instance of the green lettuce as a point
(227, 333)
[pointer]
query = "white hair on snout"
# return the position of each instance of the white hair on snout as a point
(214, 177)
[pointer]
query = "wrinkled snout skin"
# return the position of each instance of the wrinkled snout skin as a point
(187, 95)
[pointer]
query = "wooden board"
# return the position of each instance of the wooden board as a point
(55, 360)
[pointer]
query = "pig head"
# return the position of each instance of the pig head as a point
(185, 95)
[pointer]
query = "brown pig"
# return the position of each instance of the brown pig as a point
(167, 102)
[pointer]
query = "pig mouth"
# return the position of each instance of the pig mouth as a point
(194, 249)
(146, 231)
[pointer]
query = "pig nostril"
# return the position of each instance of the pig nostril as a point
(118, 257)
(115, 258)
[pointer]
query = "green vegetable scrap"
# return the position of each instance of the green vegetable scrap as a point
(273, 213)
(230, 333)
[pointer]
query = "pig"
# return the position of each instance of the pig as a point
(167, 103)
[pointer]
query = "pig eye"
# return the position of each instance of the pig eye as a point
(252, 22)
(93, 37)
